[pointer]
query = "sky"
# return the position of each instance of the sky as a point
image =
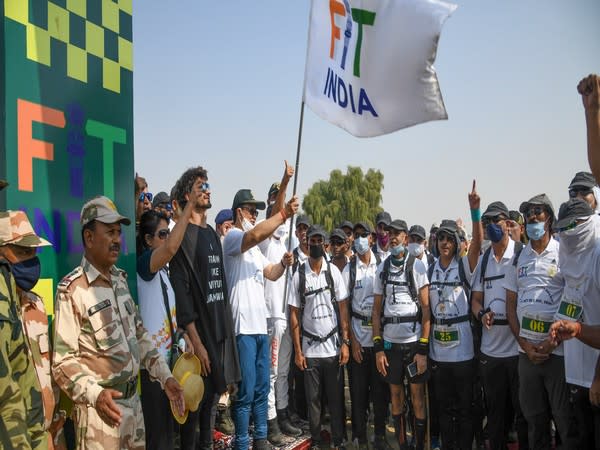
(219, 84)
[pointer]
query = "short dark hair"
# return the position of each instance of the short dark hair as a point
(185, 183)
(91, 225)
(148, 224)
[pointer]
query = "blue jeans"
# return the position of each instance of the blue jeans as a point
(253, 389)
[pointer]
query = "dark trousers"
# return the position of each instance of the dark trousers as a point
(586, 418)
(324, 373)
(544, 394)
(500, 377)
(158, 419)
(454, 389)
(190, 440)
(367, 384)
(296, 395)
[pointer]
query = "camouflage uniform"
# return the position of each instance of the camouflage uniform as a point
(100, 341)
(35, 327)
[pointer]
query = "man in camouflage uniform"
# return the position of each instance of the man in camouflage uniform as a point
(18, 244)
(100, 341)
(21, 411)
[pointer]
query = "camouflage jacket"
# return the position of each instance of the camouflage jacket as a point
(21, 410)
(99, 338)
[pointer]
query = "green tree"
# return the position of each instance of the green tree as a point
(354, 196)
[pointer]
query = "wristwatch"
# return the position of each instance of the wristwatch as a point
(347, 342)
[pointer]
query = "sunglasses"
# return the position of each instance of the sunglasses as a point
(204, 187)
(163, 234)
(534, 211)
(442, 237)
(363, 235)
(147, 195)
(252, 211)
(571, 226)
(579, 191)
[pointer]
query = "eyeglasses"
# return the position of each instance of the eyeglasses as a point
(489, 220)
(361, 235)
(336, 242)
(163, 234)
(579, 191)
(144, 195)
(205, 187)
(252, 211)
(534, 211)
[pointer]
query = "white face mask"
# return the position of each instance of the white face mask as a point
(416, 249)
(361, 245)
(247, 225)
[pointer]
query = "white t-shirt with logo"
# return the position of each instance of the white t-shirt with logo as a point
(319, 317)
(452, 343)
(498, 341)
(274, 252)
(538, 289)
(362, 298)
(398, 301)
(245, 282)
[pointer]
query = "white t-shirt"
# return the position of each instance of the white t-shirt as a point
(274, 252)
(245, 281)
(381, 253)
(362, 298)
(580, 359)
(319, 317)
(453, 343)
(498, 341)
(539, 290)
(399, 303)
(152, 305)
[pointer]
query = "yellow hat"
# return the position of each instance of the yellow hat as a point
(187, 372)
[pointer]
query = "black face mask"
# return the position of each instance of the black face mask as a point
(316, 251)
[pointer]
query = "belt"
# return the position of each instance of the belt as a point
(128, 388)
(401, 319)
(500, 322)
(314, 338)
(451, 320)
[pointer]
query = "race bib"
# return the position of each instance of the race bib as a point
(570, 308)
(535, 328)
(366, 324)
(446, 336)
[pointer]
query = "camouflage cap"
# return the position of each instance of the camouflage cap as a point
(16, 229)
(103, 210)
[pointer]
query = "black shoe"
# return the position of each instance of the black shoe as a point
(274, 435)
(381, 443)
(285, 424)
(223, 422)
(261, 444)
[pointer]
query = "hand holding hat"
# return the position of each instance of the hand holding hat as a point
(187, 386)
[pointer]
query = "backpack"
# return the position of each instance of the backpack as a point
(410, 283)
(303, 294)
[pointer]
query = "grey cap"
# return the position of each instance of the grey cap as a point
(540, 199)
(583, 179)
(317, 230)
(398, 224)
(494, 209)
(383, 217)
(160, 198)
(338, 233)
(302, 220)
(364, 225)
(572, 210)
(417, 230)
(346, 224)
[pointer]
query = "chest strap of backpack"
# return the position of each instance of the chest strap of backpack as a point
(303, 294)
(409, 283)
(401, 319)
(361, 317)
(450, 320)
(312, 338)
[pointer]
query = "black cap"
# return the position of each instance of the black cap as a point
(346, 224)
(494, 209)
(383, 217)
(417, 230)
(160, 198)
(448, 226)
(398, 224)
(338, 233)
(317, 230)
(302, 220)
(274, 189)
(364, 225)
(245, 197)
(540, 199)
(583, 179)
(570, 211)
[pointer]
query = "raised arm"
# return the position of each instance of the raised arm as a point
(477, 232)
(288, 172)
(265, 228)
(589, 88)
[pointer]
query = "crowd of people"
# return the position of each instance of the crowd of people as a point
(454, 337)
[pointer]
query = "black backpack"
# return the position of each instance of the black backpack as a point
(410, 283)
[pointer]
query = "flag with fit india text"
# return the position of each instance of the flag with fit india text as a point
(369, 65)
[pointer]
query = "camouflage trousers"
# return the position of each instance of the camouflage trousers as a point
(92, 433)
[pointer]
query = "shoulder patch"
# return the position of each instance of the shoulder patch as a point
(69, 278)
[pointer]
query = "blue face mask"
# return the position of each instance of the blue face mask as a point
(535, 231)
(26, 273)
(494, 232)
(397, 250)
(361, 245)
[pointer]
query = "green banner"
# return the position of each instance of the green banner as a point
(67, 98)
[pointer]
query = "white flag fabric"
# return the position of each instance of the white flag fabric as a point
(369, 65)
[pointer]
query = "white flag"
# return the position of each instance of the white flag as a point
(369, 65)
